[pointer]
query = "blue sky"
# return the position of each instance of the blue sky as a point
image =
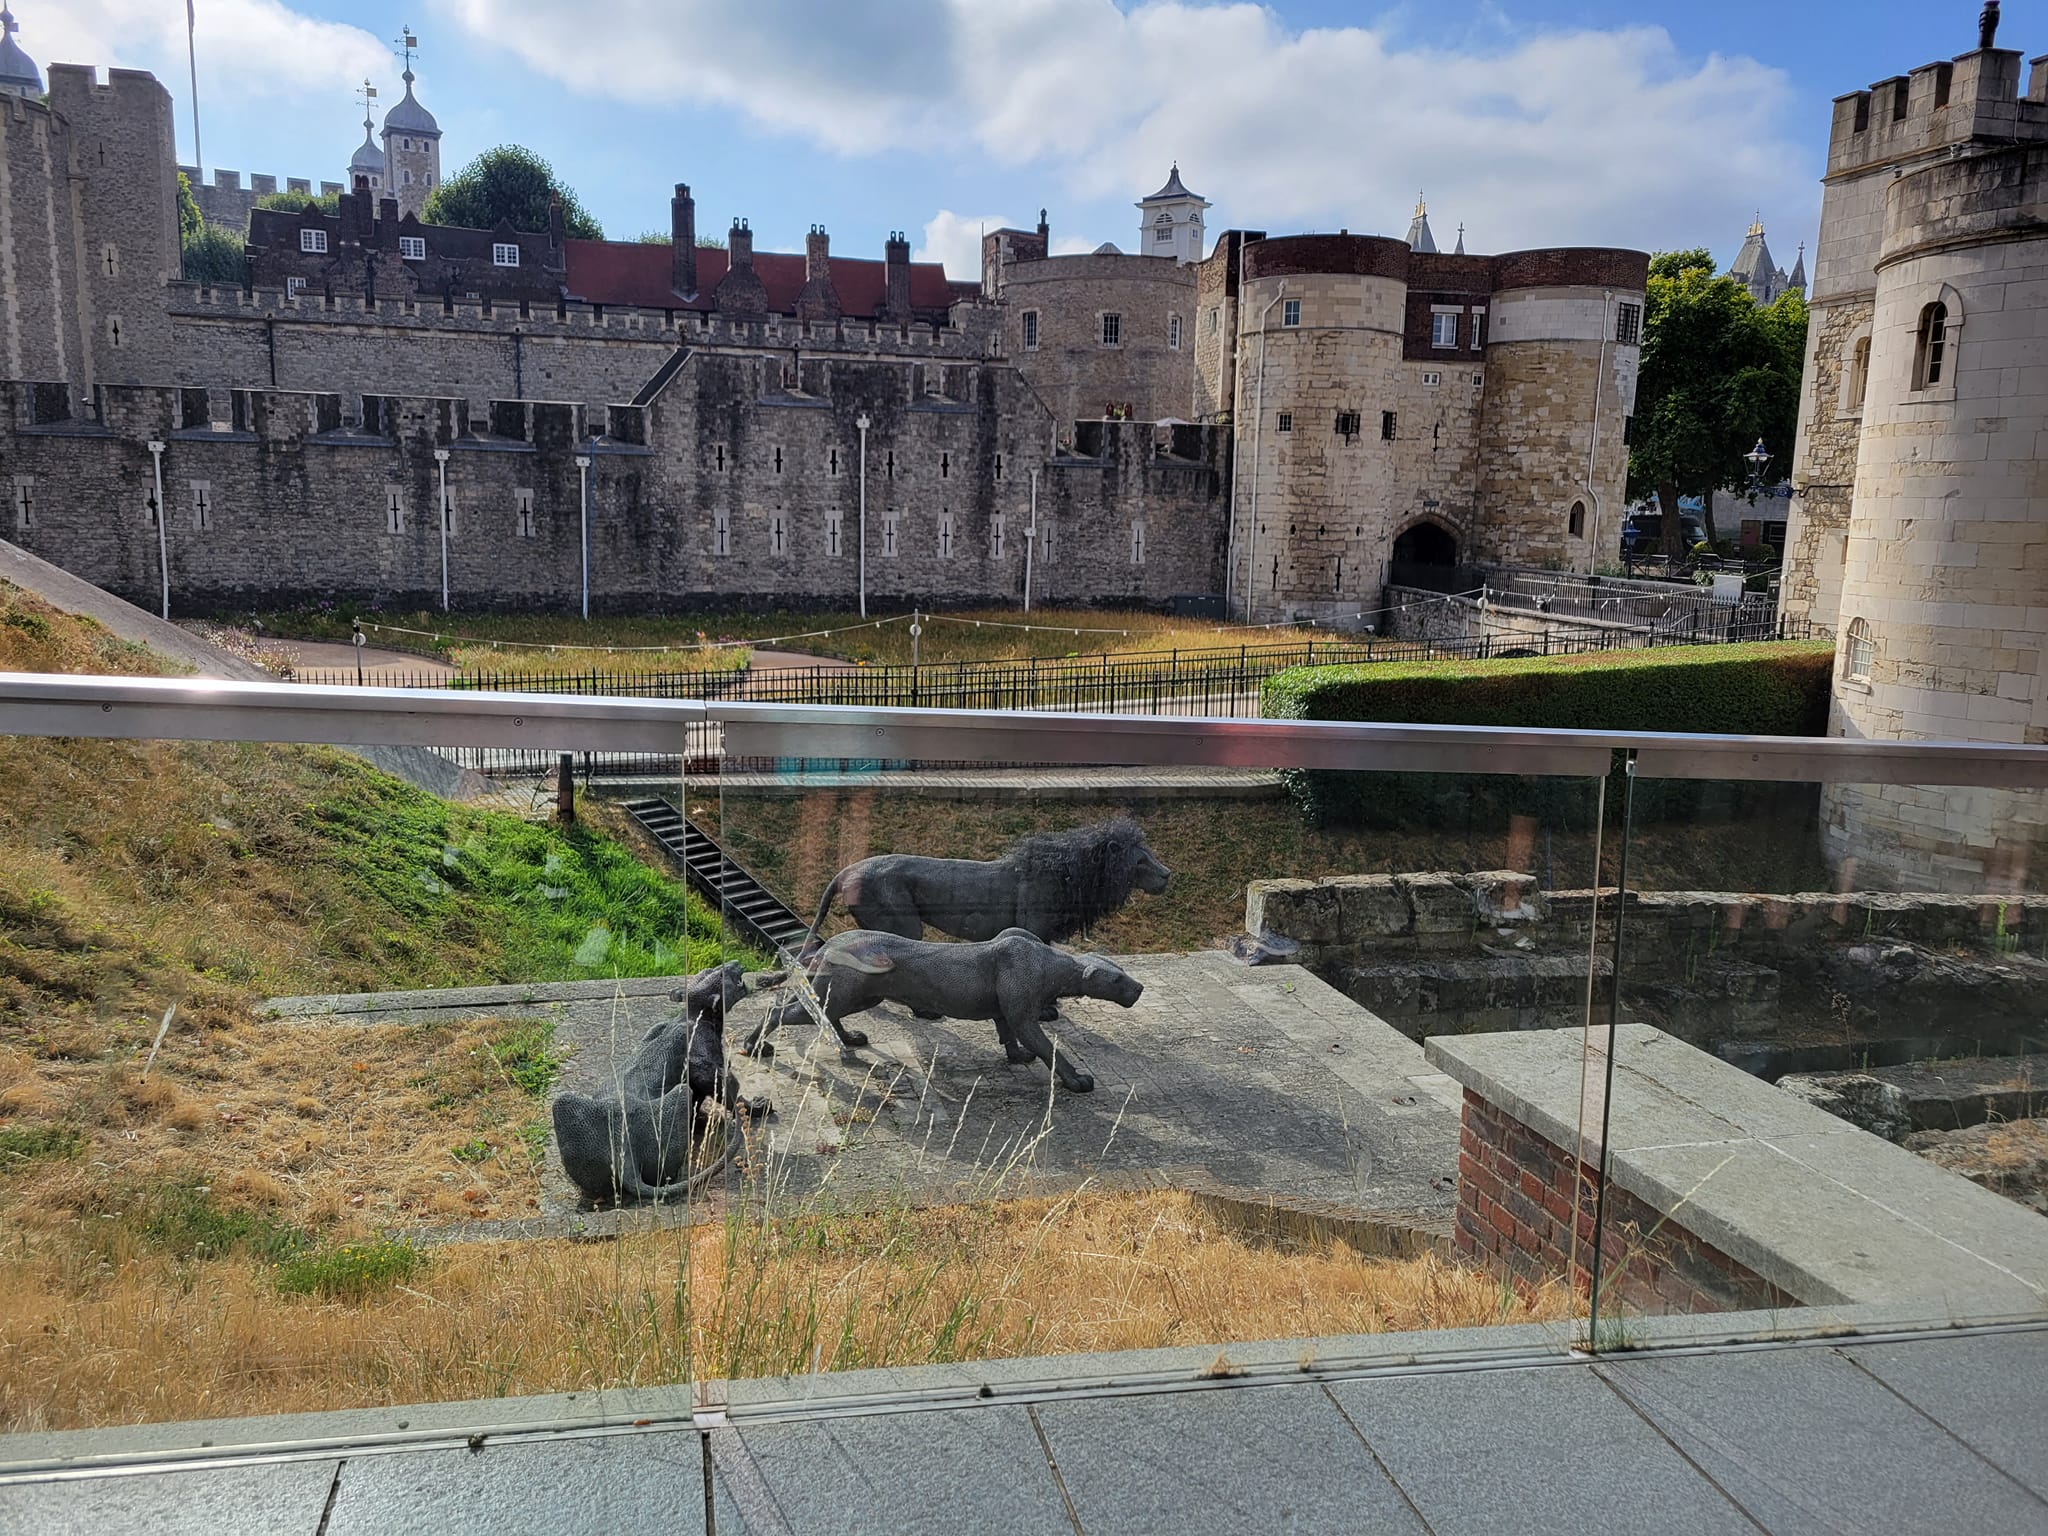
(1530, 121)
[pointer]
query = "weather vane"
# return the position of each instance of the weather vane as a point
(407, 43)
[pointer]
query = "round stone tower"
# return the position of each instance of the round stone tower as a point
(1322, 318)
(1943, 619)
(412, 151)
(1563, 347)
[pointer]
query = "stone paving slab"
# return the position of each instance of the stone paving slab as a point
(1531, 1450)
(566, 1486)
(1986, 1391)
(913, 1474)
(286, 1498)
(1807, 1442)
(1258, 1459)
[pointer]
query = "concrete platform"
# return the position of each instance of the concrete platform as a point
(1420, 1433)
(1256, 1082)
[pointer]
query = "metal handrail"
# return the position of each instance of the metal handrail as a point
(201, 709)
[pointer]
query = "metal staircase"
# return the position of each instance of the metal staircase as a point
(740, 899)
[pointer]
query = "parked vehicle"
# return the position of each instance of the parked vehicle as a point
(1642, 533)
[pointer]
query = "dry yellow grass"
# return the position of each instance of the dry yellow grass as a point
(136, 1336)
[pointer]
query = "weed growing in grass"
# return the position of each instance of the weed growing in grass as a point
(24, 1144)
(527, 1055)
(185, 1221)
(475, 1150)
(351, 1272)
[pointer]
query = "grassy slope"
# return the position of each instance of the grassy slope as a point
(134, 875)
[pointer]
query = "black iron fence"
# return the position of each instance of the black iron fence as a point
(1216, 681)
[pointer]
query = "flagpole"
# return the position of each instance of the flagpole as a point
(192, 54)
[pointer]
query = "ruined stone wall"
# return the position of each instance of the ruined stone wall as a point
(1074, 371)
(1824, 462)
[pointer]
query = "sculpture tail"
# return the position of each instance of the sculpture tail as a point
(824, 906)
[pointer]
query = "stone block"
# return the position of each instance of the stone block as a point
(1370, 906)
(1439, 903)
(1502, 897)
(1303, 910)
(1857, 1097)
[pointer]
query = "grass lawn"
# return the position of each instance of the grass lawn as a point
(947, 637)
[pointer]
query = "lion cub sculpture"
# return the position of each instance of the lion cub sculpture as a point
(637, 1143)
(1015, 979)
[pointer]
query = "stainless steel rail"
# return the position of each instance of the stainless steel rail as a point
(190, 709)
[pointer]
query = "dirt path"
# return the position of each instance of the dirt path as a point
(798, 661)
(338, 656)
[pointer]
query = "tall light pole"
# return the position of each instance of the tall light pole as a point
(1030, 540)
(441, 461)
(1251, 563)
(583, 473)
(163, 543)
(863, 423)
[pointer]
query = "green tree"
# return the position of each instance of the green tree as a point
(299, 202)
(512, 184)
(189, 219)
(1719, 372)
(215, 256)
(663, 237)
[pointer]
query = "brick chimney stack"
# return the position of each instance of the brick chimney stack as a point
(739, 246)
(896, 277)
(682, 218)
(819, 300)
(740, 292)
(557, 226)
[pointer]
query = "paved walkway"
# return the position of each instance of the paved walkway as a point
(1258, 1083)
(1909, 1435)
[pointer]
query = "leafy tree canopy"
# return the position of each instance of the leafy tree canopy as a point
(298, 202)
(1673, 263)
(215, 255)
(189, 218)
(509, 183)
(663, 237)
(1719, 371)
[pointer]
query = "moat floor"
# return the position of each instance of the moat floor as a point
(1261, 1082)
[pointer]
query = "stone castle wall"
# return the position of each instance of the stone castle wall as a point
(736, 482)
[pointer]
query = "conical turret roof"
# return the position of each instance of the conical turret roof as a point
(409, 116)
(18, 73)
(1173, 189)
(1419, 237)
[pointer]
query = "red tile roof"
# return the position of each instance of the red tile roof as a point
(627, 272)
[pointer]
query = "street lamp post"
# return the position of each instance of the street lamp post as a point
(583, 473)
(861, 421)
(441, 462)
(163, 544)
(1030, 540)
(1758, 457)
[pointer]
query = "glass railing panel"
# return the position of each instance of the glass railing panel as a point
(288, 1038)
(1830, 1101)
(1239, 1141)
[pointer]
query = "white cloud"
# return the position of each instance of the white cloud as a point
(954, 239)
(1529, 137)
(246, 48)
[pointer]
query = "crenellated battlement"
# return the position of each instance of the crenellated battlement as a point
(1951, 102)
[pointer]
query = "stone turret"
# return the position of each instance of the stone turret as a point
(1419, 237)
(18, 75)
(412, 150)
(1169, 221)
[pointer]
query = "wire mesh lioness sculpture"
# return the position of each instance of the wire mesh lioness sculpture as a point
(1052, 885)
(637, 1142)
(1014, 979)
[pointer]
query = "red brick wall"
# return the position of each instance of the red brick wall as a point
(1518, 1195)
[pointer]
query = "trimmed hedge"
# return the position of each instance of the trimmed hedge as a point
(1776, 688)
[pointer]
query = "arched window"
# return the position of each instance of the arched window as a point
(1930, 350)
(1859, 651)
(1578, 520)
(1859, 371)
